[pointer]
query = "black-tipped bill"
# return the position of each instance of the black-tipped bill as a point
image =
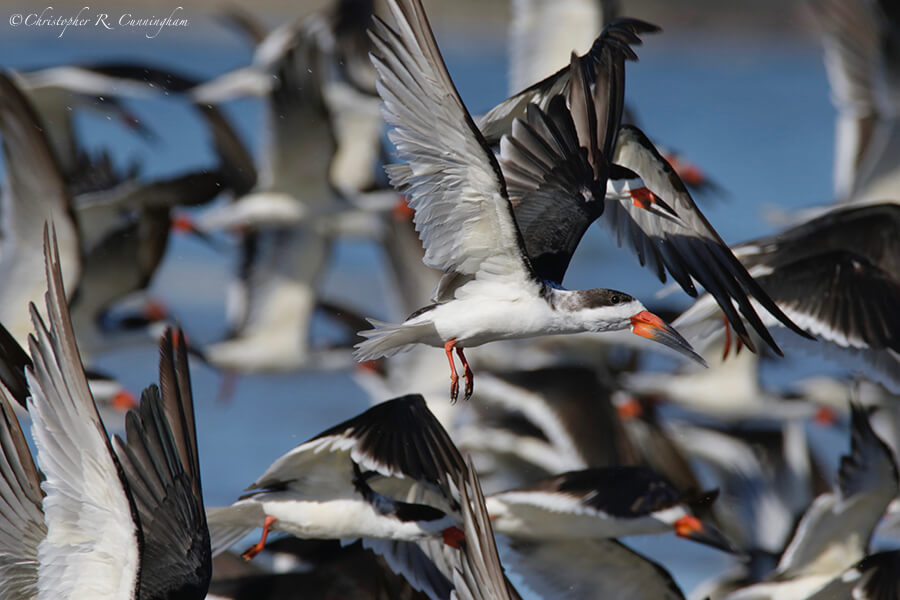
(691, 528)
(648, 325)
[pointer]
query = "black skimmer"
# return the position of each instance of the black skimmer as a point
(272, 303)
(287, 72)
(354, 103)
(319, 87)
(862, 58)
(836, 277)
(835, 531)
(333, 486)
(499, 290)
(598, 503)
(125, 515)
(767, 480)
(730, 391)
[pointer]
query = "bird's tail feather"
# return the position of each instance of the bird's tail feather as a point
(387, 339)
(229, 524)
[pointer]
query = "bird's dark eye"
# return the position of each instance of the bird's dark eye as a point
(615, 299)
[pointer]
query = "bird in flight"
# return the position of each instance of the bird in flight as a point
(503, 230)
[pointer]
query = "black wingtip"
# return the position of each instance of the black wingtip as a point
(13, 362)
(623, 33)
(882, 582)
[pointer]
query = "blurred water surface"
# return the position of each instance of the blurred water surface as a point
(754, 112)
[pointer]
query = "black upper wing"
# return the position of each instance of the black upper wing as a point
(553, 187)
(841, 297)
(605, 64)
(13, 362)
(161, 465)
(402, 436)
(836, 274)
(871, 231)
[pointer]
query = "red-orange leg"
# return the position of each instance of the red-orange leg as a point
(251, 552)
(454, 378)
(470, 378)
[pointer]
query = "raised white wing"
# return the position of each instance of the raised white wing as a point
(91, 548)
(454, 183)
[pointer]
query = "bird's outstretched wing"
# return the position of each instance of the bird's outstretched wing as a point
(399, 438)
(91, 546)
(834, 275)
(605, 64)
(160, 462)
(453, 181)
(552, 185)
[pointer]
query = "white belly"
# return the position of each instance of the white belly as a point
(338, 519)
(475, 321)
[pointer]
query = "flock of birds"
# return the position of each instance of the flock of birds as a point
(562, 446)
